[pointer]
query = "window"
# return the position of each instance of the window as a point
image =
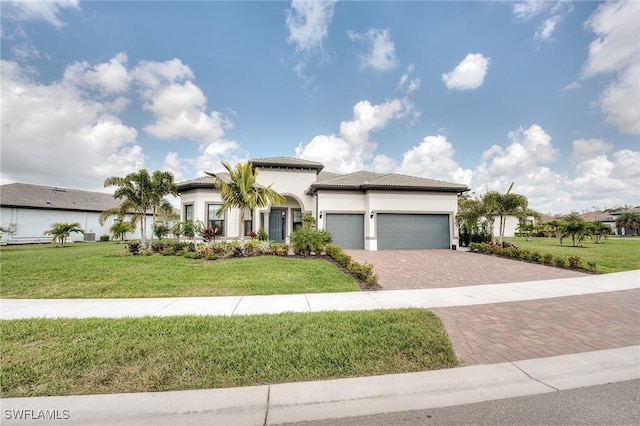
(248, 222)
(297, 218)
(188, 212)
(213, 219)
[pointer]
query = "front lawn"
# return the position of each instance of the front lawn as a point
(95, 270)
(95, 356)
(614, 255)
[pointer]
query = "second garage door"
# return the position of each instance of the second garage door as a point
(412, 231)
(347, 230)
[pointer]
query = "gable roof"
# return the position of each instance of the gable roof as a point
(54, 198)
(365, 180)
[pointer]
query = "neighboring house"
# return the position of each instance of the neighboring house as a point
(603, 217)
(512, 225)
(27, 211)
(361, 210)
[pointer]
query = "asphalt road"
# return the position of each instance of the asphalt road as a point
(610, 404)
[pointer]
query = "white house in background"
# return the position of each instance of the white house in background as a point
(361, 210)
(27, 211)
(511, 226)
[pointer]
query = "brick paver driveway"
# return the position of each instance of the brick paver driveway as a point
(511, 331)
(413, 269)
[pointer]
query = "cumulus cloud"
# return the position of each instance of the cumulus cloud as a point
(109, 78)
(468, 74)
(616, 51)
(381, 55)
(47, 11)
(433, 159)
(588, 148)
(352, 149)
(308, 24)
(53, 133)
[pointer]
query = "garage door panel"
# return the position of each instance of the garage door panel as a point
(412, 231)
(347, 230)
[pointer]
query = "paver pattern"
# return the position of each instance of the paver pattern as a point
(414, 269)
(485, 334)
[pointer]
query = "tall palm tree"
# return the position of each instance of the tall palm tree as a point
(243, 191)
(630, 221)
(62, 230)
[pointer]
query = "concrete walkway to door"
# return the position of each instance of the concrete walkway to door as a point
(415, 269)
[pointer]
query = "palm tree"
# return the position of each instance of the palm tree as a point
(598, 230)
(630, 221)
(62, 230)
(119, 230)
(162, 184)
(243, 191)
(502, 206)
(141, 194)
(574, 226)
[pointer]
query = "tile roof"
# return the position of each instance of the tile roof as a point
(287, 162)
(202, 182)
(364, 180)
(47, 197)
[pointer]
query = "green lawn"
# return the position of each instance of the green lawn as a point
(614, 255)
(95, 270)
(93, 356)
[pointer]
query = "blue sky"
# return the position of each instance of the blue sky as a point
(543, 94)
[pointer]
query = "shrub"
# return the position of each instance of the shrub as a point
(160, 247)
(305, 240)
(251, 247)
(536, 256)
(168, 251)
(192, 255)
(211, 256)
(104, 238)
(362, 272)
(574, 262)
(280, 249)
(591, 266)
(559, 261)
(547, 258)
(264, 247)
(134, 248)
(263, 235)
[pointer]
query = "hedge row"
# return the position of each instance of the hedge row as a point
(362, 272)
(512, 252)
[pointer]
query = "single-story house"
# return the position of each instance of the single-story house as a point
(27, 211)
(361, 210)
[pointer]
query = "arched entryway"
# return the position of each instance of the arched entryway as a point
(281, 220)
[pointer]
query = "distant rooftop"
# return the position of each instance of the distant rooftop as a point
(287, 162)
(49, 197)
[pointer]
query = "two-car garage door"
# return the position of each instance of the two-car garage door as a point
(394, 231)
(412, 231)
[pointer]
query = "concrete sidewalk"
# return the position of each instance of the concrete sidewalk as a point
(392, 299)
(306, 401)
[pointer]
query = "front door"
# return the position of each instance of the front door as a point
(277, 225)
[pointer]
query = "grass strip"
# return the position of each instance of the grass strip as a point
(95, 270)
(613, 255)
(96, 356)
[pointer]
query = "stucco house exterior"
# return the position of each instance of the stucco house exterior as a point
(27, 211)
(362, 210)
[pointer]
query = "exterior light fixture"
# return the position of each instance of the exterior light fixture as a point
(372, 212)
(321, 214)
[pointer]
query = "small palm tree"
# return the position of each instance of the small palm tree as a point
(120, 229)
(243, 191)
(574, 226)
(62, 230)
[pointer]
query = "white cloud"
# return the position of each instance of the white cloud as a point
(54, 134)
(352, 149)
(616, 50)
(308, 24)
(433, 159)
(108, 78)
(468, 74)
(48, 11)
(528, 9)
(589, 148)
(408, 84)
(546, 29)
(384, 164)
(573, 85)
(382, 54)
